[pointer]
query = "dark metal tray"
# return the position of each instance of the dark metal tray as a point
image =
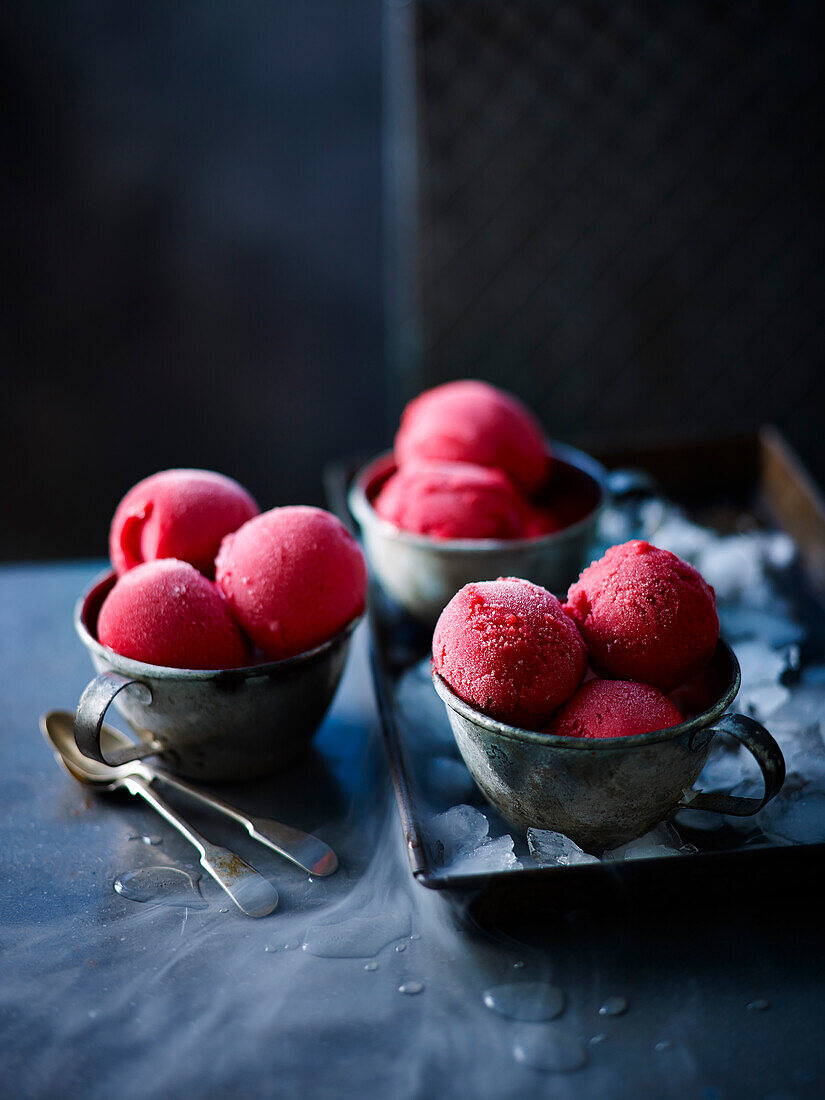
(718, 482)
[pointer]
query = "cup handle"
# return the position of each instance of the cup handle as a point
(91, 710)
(768, 756)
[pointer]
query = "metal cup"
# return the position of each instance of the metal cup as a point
(422, 574)
(605, 792)
(217, 726)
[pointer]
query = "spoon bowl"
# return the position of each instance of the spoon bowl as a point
(57, 727)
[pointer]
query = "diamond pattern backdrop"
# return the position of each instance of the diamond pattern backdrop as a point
(614, 208)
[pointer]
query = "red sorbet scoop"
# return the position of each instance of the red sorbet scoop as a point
(645, 615)
(294, 577)
(178, 514)
(471, 421)
(507, 648)
(614, 708)
(453, 500)
(167, 613)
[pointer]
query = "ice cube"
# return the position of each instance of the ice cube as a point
(760, 663)
(462, 843)
(797, 816)
(459, 829)
(493, 855)
(556, 849)
(680, 536)
(778, 547)
(762, 701)
(806, 707)
(724, 768)
(663, 840)
(734, 566)
(776, 627)
(804, 752)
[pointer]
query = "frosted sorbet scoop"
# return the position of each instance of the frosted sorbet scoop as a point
(294, 577)
(167, 613)
(469, 421)
(507, 648)
(645, 615)
(180, 514)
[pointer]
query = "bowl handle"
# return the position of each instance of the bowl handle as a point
(91, 710)
(768, 756)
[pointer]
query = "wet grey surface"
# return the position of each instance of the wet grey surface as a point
(101, 995)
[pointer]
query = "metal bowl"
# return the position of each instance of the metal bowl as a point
(605, 792)
(422, 574)
(221, 725)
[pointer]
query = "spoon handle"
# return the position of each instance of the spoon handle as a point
(251, 892)
(307, 851)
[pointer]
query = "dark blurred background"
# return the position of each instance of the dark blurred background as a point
(613, 208)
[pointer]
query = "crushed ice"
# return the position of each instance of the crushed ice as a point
(462, 843)
(746, 571)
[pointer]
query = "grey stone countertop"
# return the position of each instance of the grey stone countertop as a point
(104, 996)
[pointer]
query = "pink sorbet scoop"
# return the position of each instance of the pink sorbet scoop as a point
(645, 615)
(452, 500)
(614, 708)
(507, 648)
(294, 577)
(178, 514)
(470, 421)
(167, 613)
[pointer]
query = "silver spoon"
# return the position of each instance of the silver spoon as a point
(303, 849)
(251, 892)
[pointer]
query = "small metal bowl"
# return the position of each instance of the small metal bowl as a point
(220, 725)
(422, 574)
(605, 792)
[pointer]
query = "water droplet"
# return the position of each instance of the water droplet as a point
(597, 1039)
(759, 1005)
(546, 1050)
(663, 1044)
(153, 840)
(614, 1006)
(310, 878)
(526, 1000)
(411, 987)
(415, 936)
(291, 946)
(224, 910)
(270, 947)
(162, 885)
(518, 965)
(357, 937)
(371, 966)
(400, 947)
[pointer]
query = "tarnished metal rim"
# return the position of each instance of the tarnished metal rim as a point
(596, 744)
(364, 512)
(139, 669)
